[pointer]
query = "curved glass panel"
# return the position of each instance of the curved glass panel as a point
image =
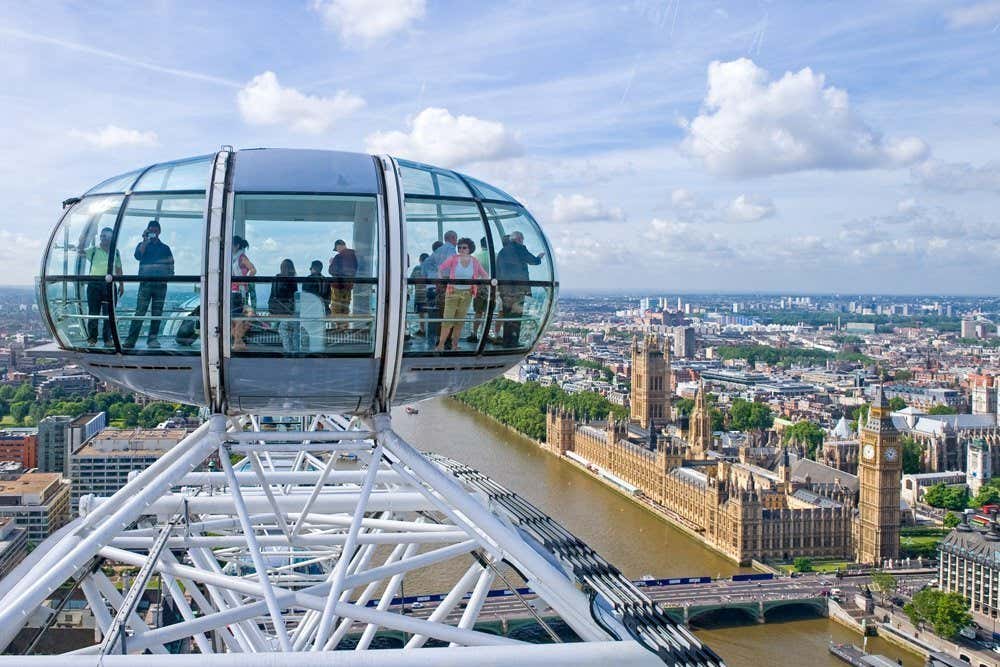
(158, 314)
(519, 314)
(487, 191)
(116, 184)
(177, 225)
(521, 251)
(71, 252)
(443, 293)
(182, 175)
(421, 179)
(305, 274)
(78, 310)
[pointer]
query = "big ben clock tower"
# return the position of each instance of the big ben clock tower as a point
(879, 473)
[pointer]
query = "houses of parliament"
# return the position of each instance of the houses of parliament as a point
(749, 503)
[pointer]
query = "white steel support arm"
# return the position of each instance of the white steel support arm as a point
(258, 560)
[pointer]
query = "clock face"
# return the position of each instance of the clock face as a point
(868, 452)
(890, 453)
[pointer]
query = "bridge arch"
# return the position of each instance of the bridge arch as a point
(813, 606)
(723, 615)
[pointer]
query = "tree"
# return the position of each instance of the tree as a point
(896, 403)
(947, 613)
(19, 410)
(947, 497)
(903, 375)
(913, 454)
(522, 406)
(885, 583)
(988, 494)
(804, 432)
(941, 409)
(684, 406)
(951, 520)
(748, 416)
(802, 564)
(23, 393)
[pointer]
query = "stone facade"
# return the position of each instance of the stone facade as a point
(651, 391)
(743, 510)
(879, 474)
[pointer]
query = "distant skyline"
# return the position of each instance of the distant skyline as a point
(665, 146)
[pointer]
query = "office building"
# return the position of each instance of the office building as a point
(52, 435)
(19, 445)
(37, 501)
(102, 465)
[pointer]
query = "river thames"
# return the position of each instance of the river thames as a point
(632, 538)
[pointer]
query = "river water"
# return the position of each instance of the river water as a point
(633, 539)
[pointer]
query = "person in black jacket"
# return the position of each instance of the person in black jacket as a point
(282, 304)
(512, 265)
(155, 260)
(343, 268)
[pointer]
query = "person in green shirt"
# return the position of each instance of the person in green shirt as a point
(482, 299)
(99, 292)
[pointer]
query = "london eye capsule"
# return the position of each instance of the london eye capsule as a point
(283, 281)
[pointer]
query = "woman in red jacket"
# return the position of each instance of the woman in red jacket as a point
(458, 297)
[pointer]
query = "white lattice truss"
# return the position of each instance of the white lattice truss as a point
(301, 540)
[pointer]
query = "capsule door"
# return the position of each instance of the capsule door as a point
(303, 302)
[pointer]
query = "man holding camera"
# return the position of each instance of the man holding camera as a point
(155, 261)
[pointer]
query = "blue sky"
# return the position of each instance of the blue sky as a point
(666, 145)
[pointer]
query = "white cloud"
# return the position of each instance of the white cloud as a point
(981, 13)
(437, 137)
(264, 101)
(751, 126)
(958, 176)
(683, 198)
(367, 21)
(749, 208)
(693, 208)
(113, 136)
(581, 208)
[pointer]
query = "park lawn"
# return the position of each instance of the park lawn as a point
(919, 545)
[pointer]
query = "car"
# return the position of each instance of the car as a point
(417, 605)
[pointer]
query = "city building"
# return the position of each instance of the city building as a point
(917, 484)
(978, 465)
(879, 473)
(66, 385)
(743, 510)
(984, 394)
(82, 429)
(945, 438)
(684, 345)
(101, 466)
(19, 445)
(968, 328)
(13, 545)
(700, 426)
(968, 565)
(52, 434)
(651, 390)
(37, 501)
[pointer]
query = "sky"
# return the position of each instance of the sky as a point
(664, 145)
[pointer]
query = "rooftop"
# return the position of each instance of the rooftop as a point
(979, 544)
(29, 482)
